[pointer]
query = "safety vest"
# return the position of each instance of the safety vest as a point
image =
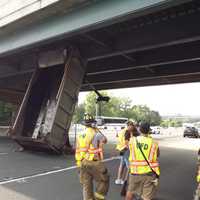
(198, 168)
(138, 164)
(81, 148)
(198, 178)
(93, 153)
(121, 140)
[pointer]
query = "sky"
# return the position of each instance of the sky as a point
(179, 99)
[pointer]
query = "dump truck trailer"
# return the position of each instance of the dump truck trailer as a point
(44, 117)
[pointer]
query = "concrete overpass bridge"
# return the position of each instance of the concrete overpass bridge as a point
(116, 44)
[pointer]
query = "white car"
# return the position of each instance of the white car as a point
(155, 129)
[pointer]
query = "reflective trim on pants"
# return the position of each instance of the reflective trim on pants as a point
(99, 196)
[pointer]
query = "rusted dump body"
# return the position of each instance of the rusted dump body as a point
(45, 114)
(36, 145)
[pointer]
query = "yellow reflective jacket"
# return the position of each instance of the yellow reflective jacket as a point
(121, 144)
(81, 148)
(85, 148)
(198, 169)
(138, 164)
(198, 178)
(198, 173)
(94, 152)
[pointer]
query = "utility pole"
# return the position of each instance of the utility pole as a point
(100, 98)
(99, 101)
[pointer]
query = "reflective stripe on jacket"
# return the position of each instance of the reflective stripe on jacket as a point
(93, 152)
(85, 148)
(121, 144)
(138, 164)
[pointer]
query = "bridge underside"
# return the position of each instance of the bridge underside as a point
(160, 46)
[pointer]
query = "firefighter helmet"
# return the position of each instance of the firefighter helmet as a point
(88, 119)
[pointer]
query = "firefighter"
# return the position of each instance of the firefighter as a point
(122, 147)
(198, 168)
(198, 177)
(143, 165)
(89, 155)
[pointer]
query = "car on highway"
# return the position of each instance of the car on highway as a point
(191, 132)
(155, 130)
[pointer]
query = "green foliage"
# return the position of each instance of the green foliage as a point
(90, 103)
(171, 123)
(79, 112)
(164, 124)
(6, 110)
(141, 113)
(117, 107)
(155, 118)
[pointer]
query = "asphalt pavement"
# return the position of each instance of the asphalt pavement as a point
(39, 176)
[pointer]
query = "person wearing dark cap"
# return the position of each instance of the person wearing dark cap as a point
(89, 156)
(144, 168)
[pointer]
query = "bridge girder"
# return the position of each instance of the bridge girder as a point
(148, 44)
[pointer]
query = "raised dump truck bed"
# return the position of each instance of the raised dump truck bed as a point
(45, 114)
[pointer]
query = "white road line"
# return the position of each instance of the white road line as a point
(21, 179)
(2, 153)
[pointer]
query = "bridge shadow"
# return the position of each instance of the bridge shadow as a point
(176, 183)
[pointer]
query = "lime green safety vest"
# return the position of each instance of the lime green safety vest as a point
(121, 140)
(198, 178)
(198, 169)
(85, 148)
(81, 149)
(138, 164)
(93, 153)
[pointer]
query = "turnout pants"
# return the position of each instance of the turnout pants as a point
(142, 185)
(197, 194)
(94, 171)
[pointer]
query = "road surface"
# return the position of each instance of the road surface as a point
(33, 176)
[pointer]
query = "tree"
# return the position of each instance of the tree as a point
(79, 113)
(155, 118)
(6, 110)
(117, 107)
(90, 103)
(171, 123)
(125, 107)
(164, 124)
(111, 108)
(141, 113)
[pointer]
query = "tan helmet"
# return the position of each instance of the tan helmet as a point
(88, 119)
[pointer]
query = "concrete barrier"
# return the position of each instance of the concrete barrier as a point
(111, 135)
(4, 131)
